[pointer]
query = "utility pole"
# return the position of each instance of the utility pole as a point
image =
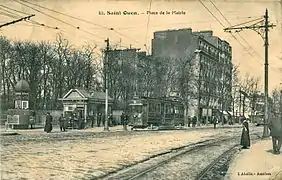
(18, 20)
(262, 30)
(106, 126)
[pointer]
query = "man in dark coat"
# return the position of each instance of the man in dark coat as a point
(99, 118)
(194, 121)
(245, 137)
(275, 126)
(189, 121)
(214, 121)
(123, 118)
(110, 119)
(48, 123)
(61, 122)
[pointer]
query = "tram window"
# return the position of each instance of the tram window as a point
(158, 107)
(137, 109)
(176, 109)
(145, 108)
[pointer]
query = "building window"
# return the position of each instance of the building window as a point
(18, 104)
(25, 104)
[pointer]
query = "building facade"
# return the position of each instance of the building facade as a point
(212, 67)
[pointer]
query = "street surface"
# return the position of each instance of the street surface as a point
(82, 154)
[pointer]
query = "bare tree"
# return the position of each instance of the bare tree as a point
(185, 82)
(50, 69)
(249, 89)
(277, 102)
(235, 87)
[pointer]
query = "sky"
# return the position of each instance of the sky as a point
(137, 30)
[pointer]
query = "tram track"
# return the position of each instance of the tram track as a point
(153, 168)
(218, 168)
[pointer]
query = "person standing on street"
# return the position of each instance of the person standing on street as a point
(245, 137)
(189, 121)
(61, 122)
(214, 120)
(99, 118)
(194, 121)
(275, 126)
(123, 118)
(48, 123)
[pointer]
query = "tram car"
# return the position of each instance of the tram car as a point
(160, 112)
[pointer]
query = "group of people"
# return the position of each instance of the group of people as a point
(193, 121)
(275, 127)
(63, 122)
(214, 121)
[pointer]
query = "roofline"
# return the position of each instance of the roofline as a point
(65, 99)
(68, 93)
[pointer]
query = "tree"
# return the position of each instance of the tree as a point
(185, 81)
(249, 89)
(277, 102)
(235, 87)
(51, 69)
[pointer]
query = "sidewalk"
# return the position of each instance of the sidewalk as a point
(256, 163)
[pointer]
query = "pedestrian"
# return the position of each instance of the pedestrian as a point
(123, 118)
(61, 122)
(189, 121)
(214, 120)
(31, 121)
(245, 137)
(104, 119)
(275, 126)
(80, 122)
(110, 118)
(194, 121)
(92, 121)
(48, 123)
(65, 123)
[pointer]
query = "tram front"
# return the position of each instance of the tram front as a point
(136, 114)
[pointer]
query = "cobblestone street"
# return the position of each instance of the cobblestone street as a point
(89, 156)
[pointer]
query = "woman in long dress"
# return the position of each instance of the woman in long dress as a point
(48, 123)
(245, 138)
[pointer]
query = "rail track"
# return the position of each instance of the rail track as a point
(141, 169)
(217, 169)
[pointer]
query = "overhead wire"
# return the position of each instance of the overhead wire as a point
(83, 20)
(64, 22)
(238, 34)
(163, 24)
(30, 20)
(255, 20)
(225, 27)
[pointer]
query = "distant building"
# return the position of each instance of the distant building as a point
(213, 66)
(85, 103)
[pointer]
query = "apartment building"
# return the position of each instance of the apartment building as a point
(212, 58)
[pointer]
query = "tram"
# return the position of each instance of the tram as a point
(159, 112)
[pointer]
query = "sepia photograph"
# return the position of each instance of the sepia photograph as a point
(141, 89)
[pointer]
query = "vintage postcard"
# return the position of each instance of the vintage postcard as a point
(141, 89)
